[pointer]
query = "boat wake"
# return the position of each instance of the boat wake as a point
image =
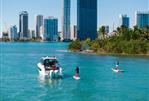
(63, 51)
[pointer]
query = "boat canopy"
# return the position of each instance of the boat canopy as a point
(49, 61)
(49, 58)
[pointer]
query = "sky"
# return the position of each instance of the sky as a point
(108, 11)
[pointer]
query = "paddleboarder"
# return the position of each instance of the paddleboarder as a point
(117, 65)
(77, 71)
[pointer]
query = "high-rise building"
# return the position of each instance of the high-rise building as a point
(142, 19)
(74, 32)
(60, 36)
(42, 32)
(86, 19)
(23, 24)
(38, 24)
(66, 20)
(5, 35)
(13, 34)
(106, 30)
(124, 20)
(51, 29)
(32, 34)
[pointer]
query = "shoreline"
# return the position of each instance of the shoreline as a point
(111, 54)
(32, 41)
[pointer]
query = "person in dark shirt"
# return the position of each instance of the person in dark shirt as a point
(117, 65)
(77, 71)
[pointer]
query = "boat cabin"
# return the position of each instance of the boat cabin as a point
(49, 62)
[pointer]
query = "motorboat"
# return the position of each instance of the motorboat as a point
(117, 70)
(49, 66)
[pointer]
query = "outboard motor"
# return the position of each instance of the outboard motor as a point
(60, 71)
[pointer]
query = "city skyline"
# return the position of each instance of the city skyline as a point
(107, 11)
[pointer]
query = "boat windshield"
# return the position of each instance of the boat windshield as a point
(49, 62)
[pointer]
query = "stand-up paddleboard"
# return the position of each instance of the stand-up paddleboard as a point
(76, 77)
(117, 70)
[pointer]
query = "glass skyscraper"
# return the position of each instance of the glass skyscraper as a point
(74, 32)
(51, 29)
(124, 21)
(23, 25)
(66, 20)
(142, 19)
(13, 32)
(86, 19)
(38, 24)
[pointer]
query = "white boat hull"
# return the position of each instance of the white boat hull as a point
(49, 73)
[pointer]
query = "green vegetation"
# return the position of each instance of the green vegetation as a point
(121, 41)
(75, 46)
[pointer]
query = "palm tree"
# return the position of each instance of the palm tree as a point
(118, 30)
(145, 31)
(121, 30)
(136, 32)
(102, 32)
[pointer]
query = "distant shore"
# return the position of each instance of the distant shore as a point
(109, 54)
(27, 40)
(20, 40)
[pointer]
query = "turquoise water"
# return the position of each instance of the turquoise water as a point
(20, 81)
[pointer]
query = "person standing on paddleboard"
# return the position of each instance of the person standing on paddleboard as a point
(117, 65)
(77, 71)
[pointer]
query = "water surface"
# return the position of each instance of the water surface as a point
(20, 81)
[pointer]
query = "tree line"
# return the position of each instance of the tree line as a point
(122, 40)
